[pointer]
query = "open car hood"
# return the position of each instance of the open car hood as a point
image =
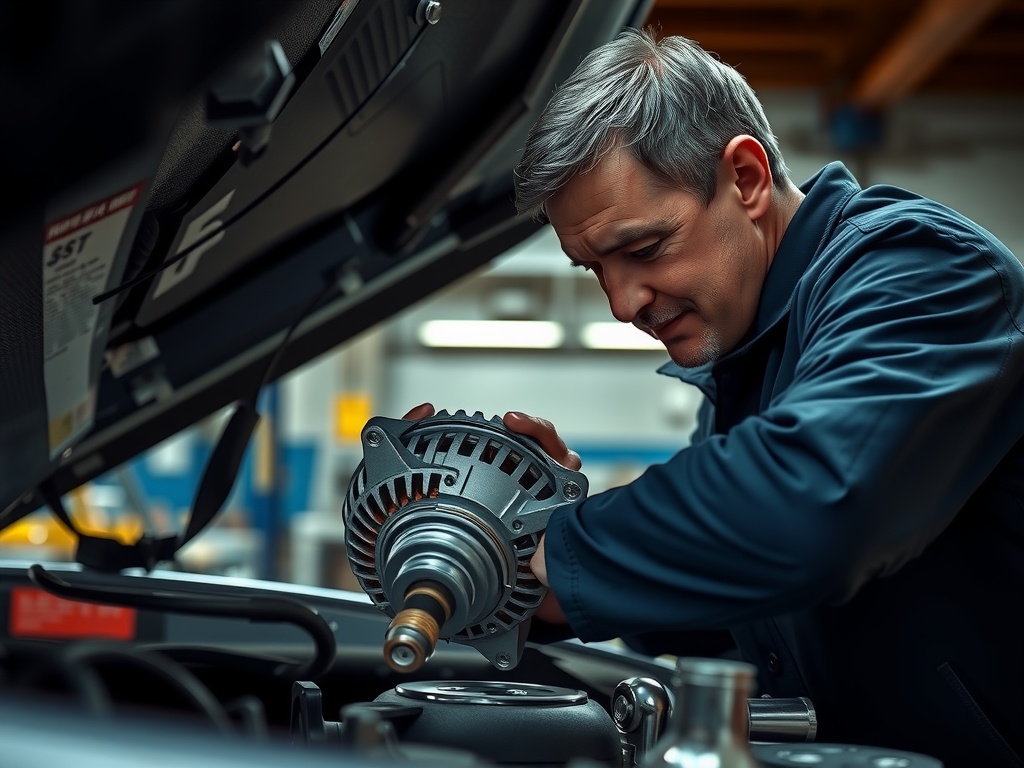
(212, 194)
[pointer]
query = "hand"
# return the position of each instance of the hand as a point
(423, 411)
(543, 431)
(549, 609)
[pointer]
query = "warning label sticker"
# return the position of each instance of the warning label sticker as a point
(79, 250)
(38, 614)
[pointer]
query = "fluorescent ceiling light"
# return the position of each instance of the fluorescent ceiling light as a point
(617, 336)
(506, 334)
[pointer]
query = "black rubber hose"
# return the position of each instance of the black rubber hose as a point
(252, 608)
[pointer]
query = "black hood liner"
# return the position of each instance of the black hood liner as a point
(388, 174)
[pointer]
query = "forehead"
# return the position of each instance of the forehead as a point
(617, 183)
(619, 195)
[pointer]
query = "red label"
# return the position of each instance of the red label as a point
(35, 613)
(92, 213)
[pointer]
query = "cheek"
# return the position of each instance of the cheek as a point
(743, 286)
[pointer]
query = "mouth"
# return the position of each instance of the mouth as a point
(666, 330)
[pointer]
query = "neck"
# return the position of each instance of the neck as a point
(785, 202)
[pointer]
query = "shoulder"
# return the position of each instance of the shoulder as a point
(886, 216)
(896, 245)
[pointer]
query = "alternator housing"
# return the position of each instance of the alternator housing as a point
(459, 501)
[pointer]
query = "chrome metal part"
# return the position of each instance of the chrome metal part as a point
(491, 693)
(709, 724)
(407, 646)
(640, 708)
(458, 503)
(428, 11)
(782, 719)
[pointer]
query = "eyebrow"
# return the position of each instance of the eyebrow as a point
(630, 233)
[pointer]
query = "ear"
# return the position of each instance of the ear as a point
(745, 168)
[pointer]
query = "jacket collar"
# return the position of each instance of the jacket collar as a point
(825, 195)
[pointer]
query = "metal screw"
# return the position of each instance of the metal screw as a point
(517, 525)
(374, 438)
(428, 11)
(67, 454)
(503, 660)
(492, 628)
(571, 490)
(449, 480)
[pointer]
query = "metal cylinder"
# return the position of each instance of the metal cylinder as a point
(413, 633)
(782, 719)
(709, 723)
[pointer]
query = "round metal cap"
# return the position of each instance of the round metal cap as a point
(491, 692)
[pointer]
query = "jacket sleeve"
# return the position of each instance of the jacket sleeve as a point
(904, 397)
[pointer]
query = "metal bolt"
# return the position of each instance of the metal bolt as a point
(449, 480)
(571, 490)
(67, 454)
(492, 628)
(517, 525)
(503, 660)
(374, 438)
(428, 11)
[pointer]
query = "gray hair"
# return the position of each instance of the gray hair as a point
(674, 105)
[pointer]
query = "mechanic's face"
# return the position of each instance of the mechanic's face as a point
(688, 275)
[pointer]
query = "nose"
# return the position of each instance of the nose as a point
(627, 293)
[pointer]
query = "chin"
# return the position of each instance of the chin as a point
(690, 353)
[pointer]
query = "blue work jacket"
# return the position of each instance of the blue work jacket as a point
(851, 507)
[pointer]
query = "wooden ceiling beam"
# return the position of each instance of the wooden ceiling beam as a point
(1005, 41)
(933, 33)
(714, 36)
(741, 5)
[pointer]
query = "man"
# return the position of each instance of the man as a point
(852, 505)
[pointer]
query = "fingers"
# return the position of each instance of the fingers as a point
(538, 564)
(420, 412)
(543, 432)
(549, 609)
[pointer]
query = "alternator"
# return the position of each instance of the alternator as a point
(442, 517)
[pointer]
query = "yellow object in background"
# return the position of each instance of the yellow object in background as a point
(38, 530)
(42, 529)
(351, 412)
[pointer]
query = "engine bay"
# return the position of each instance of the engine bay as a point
(183, 681)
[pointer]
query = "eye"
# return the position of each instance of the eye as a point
(579, 265)
(646, 252)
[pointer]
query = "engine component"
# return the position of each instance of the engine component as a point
(793, 719)
(441, 518)
(509, 723)
(369, 730)
(709, 722)
(839, 756)
(642, 707)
